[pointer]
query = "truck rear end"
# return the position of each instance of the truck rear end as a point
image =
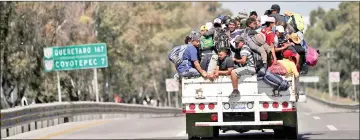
(209, 107)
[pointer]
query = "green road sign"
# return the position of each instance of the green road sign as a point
(75, 57)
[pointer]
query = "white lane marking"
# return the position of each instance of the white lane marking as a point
(316, 117)
(307, 114)
(331, 127)
(181, 134)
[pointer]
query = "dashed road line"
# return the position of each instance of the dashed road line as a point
(307, 114)
(316, 117)
(331, 127)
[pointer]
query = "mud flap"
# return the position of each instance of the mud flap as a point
(199, 131)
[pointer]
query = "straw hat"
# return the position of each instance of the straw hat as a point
(295, 38)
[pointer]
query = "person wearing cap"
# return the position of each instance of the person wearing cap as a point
(190, 65)
(244, 62)
(288, 63)
(253, 14)
(216, 25)
(275, 12)
(282, 43)
(207, 50)
(270, 35)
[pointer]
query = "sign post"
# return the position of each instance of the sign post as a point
(355, 82)
(58, 86)
(172, 86)
(334, 77)
(74, 57)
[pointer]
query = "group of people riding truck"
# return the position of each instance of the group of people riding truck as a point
(243, 46)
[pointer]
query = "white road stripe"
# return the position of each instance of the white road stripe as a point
(316, 117)
(331, 127)
(307, 114)
(181, 134)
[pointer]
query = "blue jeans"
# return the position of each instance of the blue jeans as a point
(192, 72)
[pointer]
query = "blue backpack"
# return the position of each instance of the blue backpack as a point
(273, 80)
(176, 55)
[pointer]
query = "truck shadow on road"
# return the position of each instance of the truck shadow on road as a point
(263, 135)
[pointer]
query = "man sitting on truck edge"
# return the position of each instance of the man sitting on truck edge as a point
(225, 64)
(190, 65)
(245, 61)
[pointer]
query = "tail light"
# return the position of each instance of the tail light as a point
(265, 105)
(264, 116)
(201, 106)
(214, 117)
(211, 106)
(285, 105)
(192, 106)
(275, 105)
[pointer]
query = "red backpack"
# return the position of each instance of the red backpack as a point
(277, 68)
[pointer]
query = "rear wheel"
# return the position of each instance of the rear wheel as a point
(216, 131)
(286, 132)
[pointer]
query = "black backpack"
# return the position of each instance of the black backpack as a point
(220, 39)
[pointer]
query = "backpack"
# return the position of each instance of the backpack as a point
(274, 80)
(206, 42)
(296, 20)
(220, 39)
(176, 54)
(312, 55)
(258, 63)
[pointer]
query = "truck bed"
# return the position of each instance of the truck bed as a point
(250, 87)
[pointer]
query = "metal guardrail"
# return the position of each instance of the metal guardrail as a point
(22, 119)
(336, 105)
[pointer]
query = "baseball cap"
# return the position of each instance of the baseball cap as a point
(280, 29)
(270, 19)
(195, 38)
(288, 54)
(238, 39)
(209, 25)
(203, 28)
(275, 7)
(263, 19)
(253, 13)
(217, 20)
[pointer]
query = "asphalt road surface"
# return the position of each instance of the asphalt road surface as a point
(316, 121)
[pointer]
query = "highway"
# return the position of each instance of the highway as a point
(316, 121)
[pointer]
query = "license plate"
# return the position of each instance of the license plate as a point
(238, 106)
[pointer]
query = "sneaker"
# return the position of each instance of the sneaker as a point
(235, 92)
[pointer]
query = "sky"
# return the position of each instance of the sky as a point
(302, 8)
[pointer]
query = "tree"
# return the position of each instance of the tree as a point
(338, 30)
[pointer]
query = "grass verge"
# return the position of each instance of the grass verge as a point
(334, 99)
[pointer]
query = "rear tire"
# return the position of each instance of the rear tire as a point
(216, 131)
(193, 137)
(286, 132)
